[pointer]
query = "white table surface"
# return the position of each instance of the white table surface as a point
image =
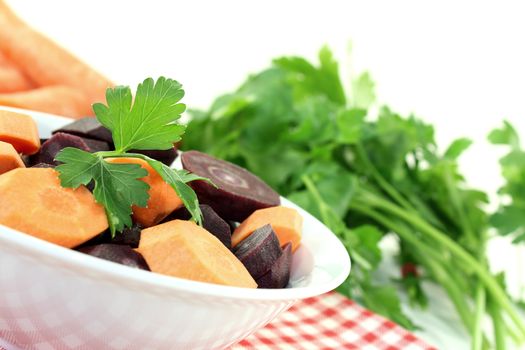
(460, 65)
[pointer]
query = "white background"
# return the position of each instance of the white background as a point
(459, 65)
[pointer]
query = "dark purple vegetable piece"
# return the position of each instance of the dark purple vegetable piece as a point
(165, 156)
(43, 165)
(279, 274)
(259, 251)
(87, 127)
(57, 142)
(120, 254)
(96, 145)
(60, 140)
(130, 236)
(239, 192)
(210, 221)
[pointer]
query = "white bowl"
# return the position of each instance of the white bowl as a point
(56, 298)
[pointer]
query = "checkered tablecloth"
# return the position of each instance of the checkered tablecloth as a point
(331, 321)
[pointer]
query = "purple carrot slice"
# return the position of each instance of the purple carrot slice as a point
(120, 254)
(279, 274)
(42, 165)
(239, 192)
(259, 251)
(87, 127)
(165, 156)
(57, 142)
(210, 221)
(96, 145)
(130, 236)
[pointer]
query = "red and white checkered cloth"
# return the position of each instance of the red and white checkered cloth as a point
(331, 321)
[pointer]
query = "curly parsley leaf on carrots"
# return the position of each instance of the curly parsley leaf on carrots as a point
(147, 123)
(366, 172)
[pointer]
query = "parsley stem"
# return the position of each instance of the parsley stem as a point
(477, 334)
(385, 185)
(498, 326)
(428, 259)
(492, 285)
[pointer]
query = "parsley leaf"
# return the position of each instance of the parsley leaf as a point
(178, 180)
(509, 219)
(366, 174)
(117, 186)
(148, 123)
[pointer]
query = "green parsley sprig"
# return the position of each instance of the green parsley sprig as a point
(149, 122)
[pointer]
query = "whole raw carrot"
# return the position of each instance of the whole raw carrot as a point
(45, 62)
(11, 78)
(61, 100)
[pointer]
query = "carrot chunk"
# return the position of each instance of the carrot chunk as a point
(20, 130)
(184, 249)
(286, 222)
(9, 158)
(163, 199)
(33, 201)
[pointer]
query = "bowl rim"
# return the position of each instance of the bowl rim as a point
(71, 258)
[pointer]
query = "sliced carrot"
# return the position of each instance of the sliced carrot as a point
(184, 249)
(286, 222)
(45, 62)
(9, 158)
(163, 199)
(34, 202)
(20, 130)
(61, 100)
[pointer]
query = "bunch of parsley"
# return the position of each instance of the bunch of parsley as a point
(147, 122)
(365, 176)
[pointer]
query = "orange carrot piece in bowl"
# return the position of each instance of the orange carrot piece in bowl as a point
(183, 249)
(61, 100)
(44, 61)
(163, 199)
(34, 202)
(9, 158)
(20, 130)
(286, 222)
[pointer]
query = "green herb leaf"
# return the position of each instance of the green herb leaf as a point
(178, 180)
(117, 186)
(457, 147)
(384, 300)
(363, 91)
(507, 135)
(148, 123)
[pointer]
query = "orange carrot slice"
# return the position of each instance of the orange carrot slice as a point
(286, 222)
(9, 158)
(163, 199)
(34, 202)
(184, 249)
(20, 130)
(45, 62)
(61, 100)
